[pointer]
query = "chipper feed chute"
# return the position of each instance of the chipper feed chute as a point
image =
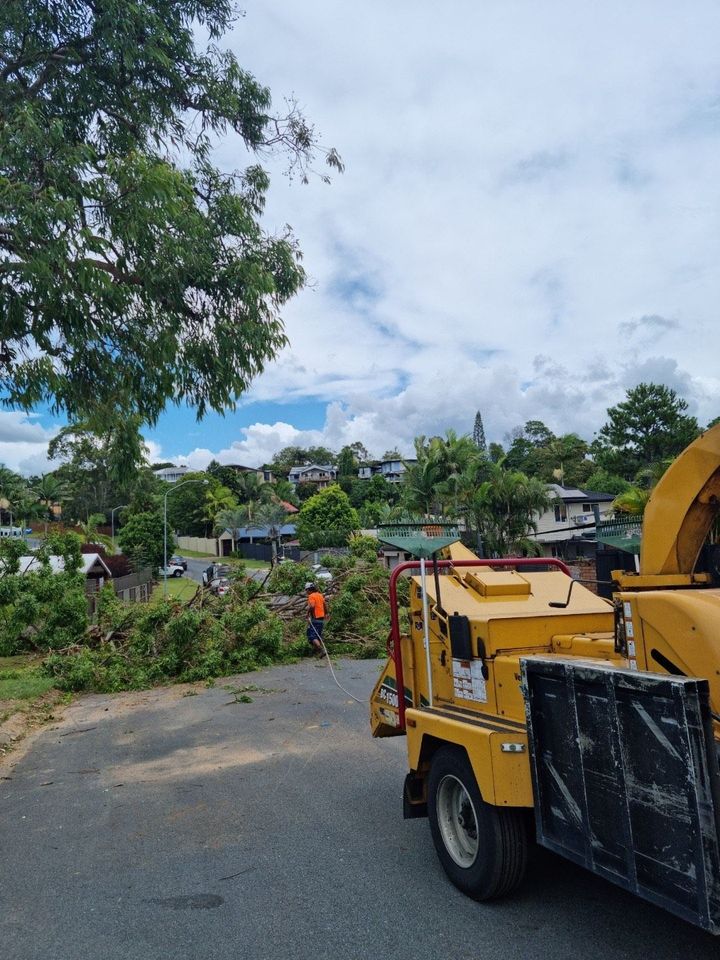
(421, 540)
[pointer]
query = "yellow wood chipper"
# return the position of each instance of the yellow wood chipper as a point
(535, 709)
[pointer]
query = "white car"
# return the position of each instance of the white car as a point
(171, 570)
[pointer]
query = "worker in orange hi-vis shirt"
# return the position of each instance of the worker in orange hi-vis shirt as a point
(317, 614)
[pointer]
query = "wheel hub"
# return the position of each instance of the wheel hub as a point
(457, 820)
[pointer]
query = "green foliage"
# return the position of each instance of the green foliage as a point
(288, 578)
(304, 491)
(479, 432)
(166, 641)
(326, 520)
(128, 279)
(300, 456)
(632, 501)
(537, 452)
(601, 481)
(375, 490)
(359, 610)
(23, 684)
(649, 426)
(346, 463)
(187, 503)
(141, 540)
(102, 467)
(41, 610)
(364, 547)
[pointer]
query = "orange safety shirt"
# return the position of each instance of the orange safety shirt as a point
(316, 602)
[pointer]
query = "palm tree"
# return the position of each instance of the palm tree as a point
(253, 490)
(273, 516)
(217, 499)
(27, 507)
(419, 487)
(505, 508)
(50, 492)
(11, 486)
(632, 501)
(89, 531)
(284, 490)
(232, 519)
(452, 455)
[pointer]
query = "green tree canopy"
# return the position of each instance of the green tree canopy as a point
(649, 426)
(132, 270)
(99, 471)
(326, 520)
(347, 463)
(141, 540)
(187, 503)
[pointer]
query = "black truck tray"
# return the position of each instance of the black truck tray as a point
(626, 782)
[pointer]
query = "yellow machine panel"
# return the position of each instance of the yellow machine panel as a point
(518, 689)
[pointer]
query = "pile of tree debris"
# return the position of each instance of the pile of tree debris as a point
(132, 646)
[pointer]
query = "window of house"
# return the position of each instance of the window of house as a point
(560, 513)
(587, 508)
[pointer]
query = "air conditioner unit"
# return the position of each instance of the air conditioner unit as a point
(584, 518)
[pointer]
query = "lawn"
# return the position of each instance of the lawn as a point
(22, 685)
(179, 588)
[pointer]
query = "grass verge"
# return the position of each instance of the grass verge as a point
(28, 698)
(179, 588)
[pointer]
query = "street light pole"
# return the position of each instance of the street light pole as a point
(167, 492)
(112, 524)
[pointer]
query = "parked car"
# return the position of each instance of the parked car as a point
(171, 570)
(219, 586)
(179, 562)
(320, 572)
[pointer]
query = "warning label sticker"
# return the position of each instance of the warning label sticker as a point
(468, 681)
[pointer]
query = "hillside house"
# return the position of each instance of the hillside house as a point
(322, 475)
(568, 529)
(391, 470)
(171, 474)
(263, 474)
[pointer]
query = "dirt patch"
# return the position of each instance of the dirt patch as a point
(26, 717)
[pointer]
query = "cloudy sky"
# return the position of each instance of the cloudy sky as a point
(528, 224)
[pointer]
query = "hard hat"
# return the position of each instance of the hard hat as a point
(309, 585)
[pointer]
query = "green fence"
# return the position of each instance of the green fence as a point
(623, 533)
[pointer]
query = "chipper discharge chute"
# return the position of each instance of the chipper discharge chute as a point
(534, 708)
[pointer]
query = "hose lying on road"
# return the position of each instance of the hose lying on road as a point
(352, 696)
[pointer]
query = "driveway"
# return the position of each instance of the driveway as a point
(185, 823)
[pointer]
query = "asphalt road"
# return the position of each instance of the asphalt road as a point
(166, 825)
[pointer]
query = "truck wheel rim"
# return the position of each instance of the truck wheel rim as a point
(457, 821)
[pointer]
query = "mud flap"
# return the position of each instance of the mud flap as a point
(414, 797)
(626, 782)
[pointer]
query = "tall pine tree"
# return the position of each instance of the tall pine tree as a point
(479, 433)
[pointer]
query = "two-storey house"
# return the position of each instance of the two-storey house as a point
(391, 470)
(567, 529)
(322, 475)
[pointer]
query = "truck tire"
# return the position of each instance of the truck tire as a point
(177, 573)
(482, 848)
